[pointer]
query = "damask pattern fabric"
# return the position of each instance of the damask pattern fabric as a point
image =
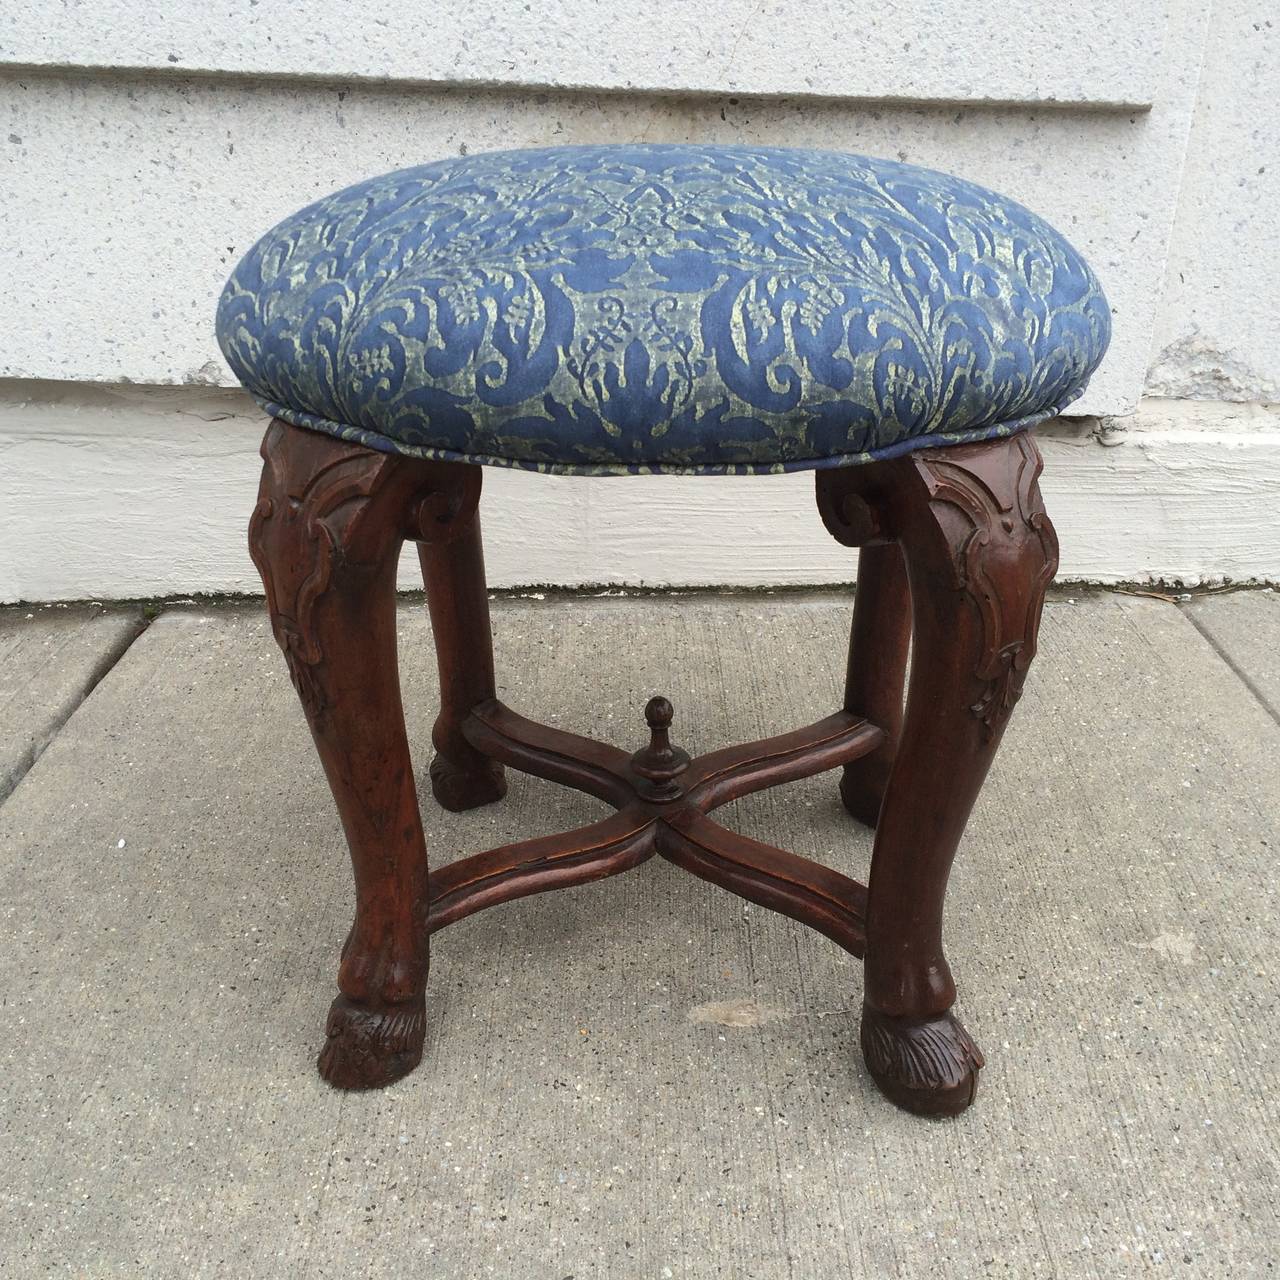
(621, 309)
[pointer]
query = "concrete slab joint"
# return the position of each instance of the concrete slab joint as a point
(51, 658)
(1114, 909)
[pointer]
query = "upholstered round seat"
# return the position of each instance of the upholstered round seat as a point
(663, 308)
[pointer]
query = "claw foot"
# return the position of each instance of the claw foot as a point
(928, 1067)
(457, 789)
(366, 1048)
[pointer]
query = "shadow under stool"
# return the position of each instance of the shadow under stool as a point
(661, 308)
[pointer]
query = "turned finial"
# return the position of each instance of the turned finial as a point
(660, 764)
(658, 714)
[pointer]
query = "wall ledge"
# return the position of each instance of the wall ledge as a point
(126, 492)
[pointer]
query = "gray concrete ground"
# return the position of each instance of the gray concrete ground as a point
(1244, 626)
(50, 657)
(647, 1077)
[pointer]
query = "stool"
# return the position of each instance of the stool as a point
(618, 310)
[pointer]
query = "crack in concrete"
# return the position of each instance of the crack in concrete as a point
(12, 777)
(1249, 683)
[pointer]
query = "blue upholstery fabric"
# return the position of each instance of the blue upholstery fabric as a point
(663, 308)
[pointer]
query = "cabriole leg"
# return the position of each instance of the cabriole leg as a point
(326, 534)
(980, 553)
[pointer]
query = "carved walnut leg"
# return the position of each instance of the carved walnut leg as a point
(453, 571)
(878, 642)
(980, 553)
(326, 534)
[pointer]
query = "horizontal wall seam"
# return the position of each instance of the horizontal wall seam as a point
(274, 77)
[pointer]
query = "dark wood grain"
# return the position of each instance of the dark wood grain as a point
(980, 553)
(458, 601)
(879, 639)
(770, 876)
(957, 554)
(775, 878)
(617, 843)
(326, 536)
(573, 761)
(732, 772)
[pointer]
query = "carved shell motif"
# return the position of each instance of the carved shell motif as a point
(1010, 608)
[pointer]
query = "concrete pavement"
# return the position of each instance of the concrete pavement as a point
(647, 1077)
(51, 656)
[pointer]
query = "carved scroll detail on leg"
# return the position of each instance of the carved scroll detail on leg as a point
(307, 516)
(301, 511)
(997, 489)
(979, 553)
(326, 535)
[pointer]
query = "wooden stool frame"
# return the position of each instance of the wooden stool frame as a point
(957, 553)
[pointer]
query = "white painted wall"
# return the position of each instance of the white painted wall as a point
(150, 491)
(130, 185)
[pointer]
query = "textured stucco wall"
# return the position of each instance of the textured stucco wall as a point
(1218, 329)
(137, 160)
(1091, 52)
(127, 200)
(125, 195)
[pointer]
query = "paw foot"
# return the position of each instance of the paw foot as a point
(928, 1067)
(457, 789)
(366, 1048)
